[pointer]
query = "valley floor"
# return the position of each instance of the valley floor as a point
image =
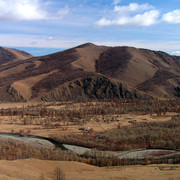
(9, 123)
(34, 169)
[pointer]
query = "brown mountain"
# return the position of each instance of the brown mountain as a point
(90, 71)
(11, 55)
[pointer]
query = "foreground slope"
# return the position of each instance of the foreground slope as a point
(33, 169)
(90, 71)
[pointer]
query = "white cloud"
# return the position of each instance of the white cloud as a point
(104, 22)
(131, 15)
(116, 2)
(145, 19)
(62, 12)
(132, 7)
(51, 38)
(176, 53)
(172, 17)
(28, 10)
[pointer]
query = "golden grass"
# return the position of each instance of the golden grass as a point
(18, 54)
(88, 55)
(33, 169)
(24, 87)
(14, 70)
(138, 70)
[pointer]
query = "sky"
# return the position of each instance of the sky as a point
(46, 26)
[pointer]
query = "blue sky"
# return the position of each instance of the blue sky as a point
(45, 26)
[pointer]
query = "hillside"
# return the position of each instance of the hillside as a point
(91, 72)
(11, 55)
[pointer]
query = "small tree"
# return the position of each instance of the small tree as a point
(42, 177)
(59, 174)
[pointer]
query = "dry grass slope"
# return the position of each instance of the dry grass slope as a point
(33, 169)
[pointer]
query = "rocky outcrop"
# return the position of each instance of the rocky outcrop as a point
(93, 87)
(9, 94)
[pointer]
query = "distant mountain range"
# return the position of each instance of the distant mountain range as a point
(88, 72)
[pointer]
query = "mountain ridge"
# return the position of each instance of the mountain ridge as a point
(142, 73)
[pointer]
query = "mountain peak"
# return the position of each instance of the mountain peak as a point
(86, 45)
